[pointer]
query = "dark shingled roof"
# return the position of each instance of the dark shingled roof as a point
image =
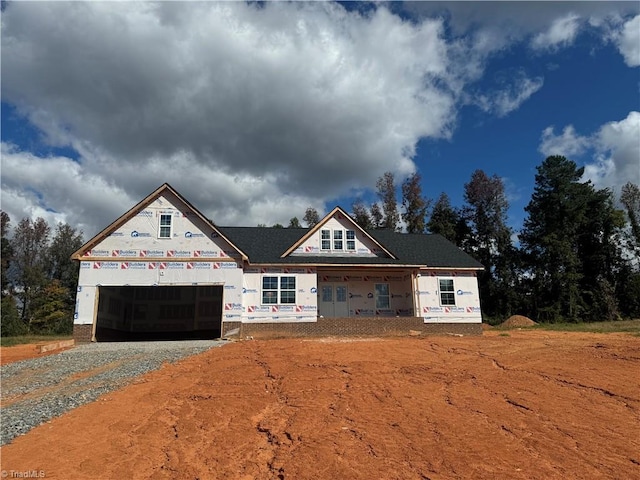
(266, 245)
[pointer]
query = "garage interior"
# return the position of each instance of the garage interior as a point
(127, 313)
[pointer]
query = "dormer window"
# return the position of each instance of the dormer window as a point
(325, 240)
(334, 240)
(337, 239)
(351, 240)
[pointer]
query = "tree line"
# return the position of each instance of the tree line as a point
(576, 258)
(39, 279)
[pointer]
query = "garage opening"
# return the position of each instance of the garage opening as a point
(159, 313)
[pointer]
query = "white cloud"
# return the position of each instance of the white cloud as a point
(616, 151)
(561, 33)
(60, 189)
(254, 112)
(618, 154)
(568, 144)
(306, 100)
(628, 42)
(510, 96)
(545, 24)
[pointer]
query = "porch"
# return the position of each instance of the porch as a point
(366, 293)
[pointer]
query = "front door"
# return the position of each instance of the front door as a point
(333, 301)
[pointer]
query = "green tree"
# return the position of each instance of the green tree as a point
(6, 254)
(415, 205)
(52, 313)
(628, 284)
(28, 271)
(386, 192)
(444, 219)
(361, 215)
(311, 217)
(294, 223)
(600, 254)
(377, 217)
(490, 242)
(570, 245)
(12, 325)
(630, 199)
(58, 263)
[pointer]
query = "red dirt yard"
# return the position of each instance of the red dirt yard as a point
(531, 405)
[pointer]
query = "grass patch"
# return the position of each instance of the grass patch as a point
(621, 326)
(22, 339)
(504, 335)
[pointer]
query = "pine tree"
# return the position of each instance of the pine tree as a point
(444, 219)
(570, 245)
(490, 242)
(415, 205)
(387, 195)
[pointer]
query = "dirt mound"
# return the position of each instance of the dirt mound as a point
(486, 326)
(518, 321)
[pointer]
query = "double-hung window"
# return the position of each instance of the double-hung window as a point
(278, 290)
(447, 292)
(337, 239)
(351, 240)
(164, 230)
(382, 295)
(325, 239)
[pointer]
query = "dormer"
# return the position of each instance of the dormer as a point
(338, 235)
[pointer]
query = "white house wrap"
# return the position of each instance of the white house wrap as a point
(163, 270)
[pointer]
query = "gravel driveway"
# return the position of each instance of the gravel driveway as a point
(34, 391)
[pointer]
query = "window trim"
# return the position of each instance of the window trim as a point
(161, 226)
(337, 236)
(279, 290)
(327, 239)
(452, 292)
(347, 240)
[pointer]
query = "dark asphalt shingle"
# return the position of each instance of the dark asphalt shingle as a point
(266, 246)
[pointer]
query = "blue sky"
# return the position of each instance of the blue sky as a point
(254, 112)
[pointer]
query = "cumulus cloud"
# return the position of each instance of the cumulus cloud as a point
(561, 33)
(568, 143)
(253, 111)
(618, 154)
(60, 189)
(306, 100)
(628, 41)
(615, 148)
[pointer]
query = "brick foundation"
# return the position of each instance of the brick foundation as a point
(377, 326)
(325, 327)
(229, 327)
(82, 333)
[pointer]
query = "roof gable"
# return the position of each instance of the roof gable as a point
(310, 241)
(163, 196)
